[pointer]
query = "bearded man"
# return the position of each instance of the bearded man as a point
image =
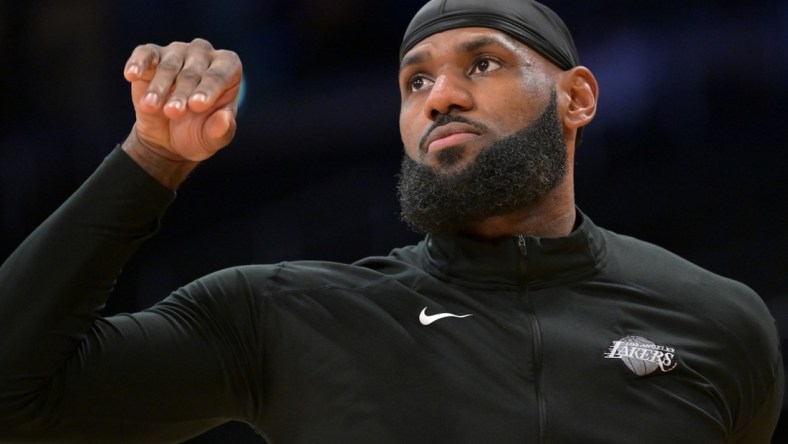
(515, 320)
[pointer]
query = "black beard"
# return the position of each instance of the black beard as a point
(510, 174)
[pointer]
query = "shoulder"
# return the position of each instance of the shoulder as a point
(654, 268)
(310, 275)
(731, 310)
(726, 320)
(245, 294)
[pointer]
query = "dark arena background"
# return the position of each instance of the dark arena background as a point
(688, 149)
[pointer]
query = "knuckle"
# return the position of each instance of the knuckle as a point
(169, 64)
(149, 47)
(202, 43)
(214, 75)
(231, 56)
(189, 76)
(145, 51)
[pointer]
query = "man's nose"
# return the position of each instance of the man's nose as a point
(448, 93)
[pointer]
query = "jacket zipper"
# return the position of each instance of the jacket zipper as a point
(536, 333)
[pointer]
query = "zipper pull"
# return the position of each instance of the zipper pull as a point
(523, 247)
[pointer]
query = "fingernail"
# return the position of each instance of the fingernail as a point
(150, 99)
(200, 97)
(133, 69)
(177, 104)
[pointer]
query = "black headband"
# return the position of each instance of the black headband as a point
(530, 22)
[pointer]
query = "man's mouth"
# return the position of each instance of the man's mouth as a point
(449, 135)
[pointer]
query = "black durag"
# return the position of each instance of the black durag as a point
(530, 22)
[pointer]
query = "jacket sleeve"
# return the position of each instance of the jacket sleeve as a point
(762, 386)
(765, 418)
(753, 370)
(66, 374)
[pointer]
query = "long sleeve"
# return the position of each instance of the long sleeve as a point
(66, 374)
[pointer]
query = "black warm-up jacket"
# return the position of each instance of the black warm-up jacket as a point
(590, 338)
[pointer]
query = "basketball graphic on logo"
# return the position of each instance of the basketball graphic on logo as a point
(638, 366)
(642, 356)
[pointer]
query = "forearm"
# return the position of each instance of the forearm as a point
(54, 285)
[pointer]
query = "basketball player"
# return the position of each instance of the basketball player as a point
(517, 319)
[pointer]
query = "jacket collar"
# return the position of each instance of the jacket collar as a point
(542, 262)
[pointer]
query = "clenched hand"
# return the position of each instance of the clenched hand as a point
(185, 98)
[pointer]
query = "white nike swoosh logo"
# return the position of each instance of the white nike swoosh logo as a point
(426, 319)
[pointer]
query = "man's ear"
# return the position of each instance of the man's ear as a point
(580, 91)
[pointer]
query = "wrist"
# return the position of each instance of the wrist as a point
(167, 168)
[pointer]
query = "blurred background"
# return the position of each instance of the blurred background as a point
(688, 149)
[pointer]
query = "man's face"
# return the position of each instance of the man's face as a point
(494, 83)
(481, 129)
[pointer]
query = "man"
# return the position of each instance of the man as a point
(515, 320)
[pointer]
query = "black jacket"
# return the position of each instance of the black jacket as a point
(590, 338)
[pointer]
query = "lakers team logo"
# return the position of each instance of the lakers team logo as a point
(642, 356)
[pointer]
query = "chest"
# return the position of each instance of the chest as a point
(452, 364)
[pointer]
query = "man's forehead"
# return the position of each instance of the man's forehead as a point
(529, 22)
(463, 38)
(459, 40)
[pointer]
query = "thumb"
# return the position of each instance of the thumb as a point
(219, 128)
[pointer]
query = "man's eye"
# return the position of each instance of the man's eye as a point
(485, 65)
(418, 83)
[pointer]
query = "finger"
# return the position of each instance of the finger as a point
(197, 60)
(141, 62)
(166, 71)
(223, 74)
(220, 128)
